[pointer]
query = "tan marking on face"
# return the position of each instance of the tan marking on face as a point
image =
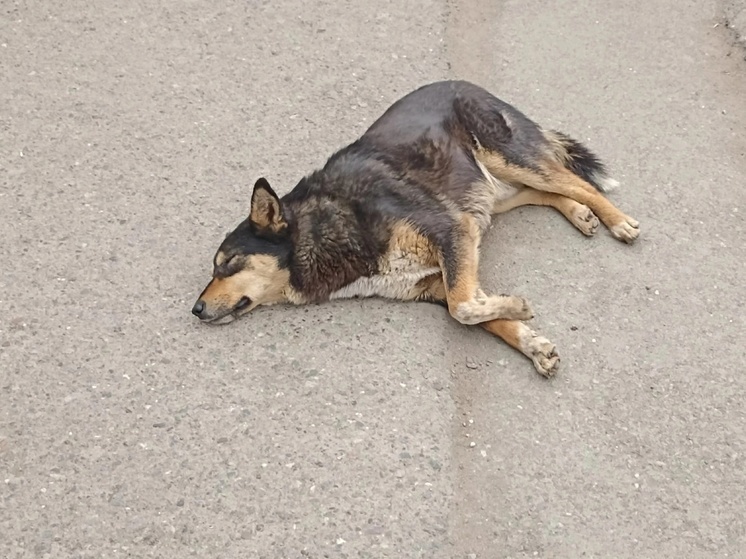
(220, 258)
(261, 280)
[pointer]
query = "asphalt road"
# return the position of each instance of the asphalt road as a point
(130, 136)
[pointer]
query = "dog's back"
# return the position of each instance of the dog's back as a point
(455, 110)
(431, 137)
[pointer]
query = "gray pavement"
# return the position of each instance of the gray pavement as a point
(131, 134)
(734, 16)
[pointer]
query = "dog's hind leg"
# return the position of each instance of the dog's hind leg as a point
(516, 334)
(566, 183)
(578, 214)
(554, 178)
(459, 262)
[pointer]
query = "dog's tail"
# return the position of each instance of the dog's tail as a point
(580, 160)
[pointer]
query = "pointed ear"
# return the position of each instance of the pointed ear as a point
(266, 211)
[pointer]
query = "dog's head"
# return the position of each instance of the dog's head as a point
(251, 266)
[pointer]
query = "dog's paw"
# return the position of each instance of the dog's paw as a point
(543, 353)
(518, 309)
(585, 220)
(626, 231)
(514, 308)
(484, 308)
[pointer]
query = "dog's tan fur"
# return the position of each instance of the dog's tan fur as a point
(260, 278)
(558, 180)
(578, 214)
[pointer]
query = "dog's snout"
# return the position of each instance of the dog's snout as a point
(198, 308)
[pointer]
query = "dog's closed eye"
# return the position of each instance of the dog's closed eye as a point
(242, 303)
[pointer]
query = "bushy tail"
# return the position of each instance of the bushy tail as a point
(580, 160)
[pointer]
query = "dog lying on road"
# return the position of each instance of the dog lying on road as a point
(400, 213)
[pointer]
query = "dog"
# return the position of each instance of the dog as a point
(400, 213)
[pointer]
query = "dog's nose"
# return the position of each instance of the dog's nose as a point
(198, 308)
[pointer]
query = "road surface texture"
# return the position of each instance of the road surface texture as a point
(131, 134)
(734, 12)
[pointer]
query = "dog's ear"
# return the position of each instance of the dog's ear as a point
(266, 210)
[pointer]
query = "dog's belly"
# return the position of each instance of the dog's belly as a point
(400, 273)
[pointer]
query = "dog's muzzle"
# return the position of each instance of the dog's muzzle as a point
(200, 309)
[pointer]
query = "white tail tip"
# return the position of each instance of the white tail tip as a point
(606, 184)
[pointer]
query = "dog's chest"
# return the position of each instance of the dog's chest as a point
(399, 274)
